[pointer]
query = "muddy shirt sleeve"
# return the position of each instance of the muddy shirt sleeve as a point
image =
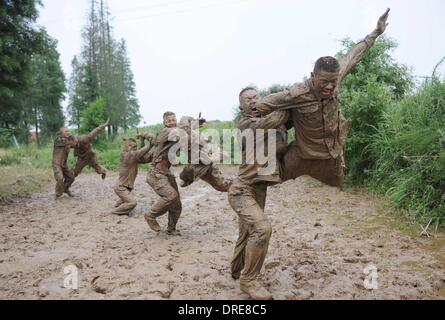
(272, 121)
(143, 151)
(286, 99)
(147, 157)
(93, 134)
(356, 54)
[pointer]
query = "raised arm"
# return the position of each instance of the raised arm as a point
(359, 50)
(143, 151)
(93, 134)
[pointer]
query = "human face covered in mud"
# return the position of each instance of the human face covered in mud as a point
(325, 77)
(65, 133)
(248, 99)
(130, 145)
(170, 120)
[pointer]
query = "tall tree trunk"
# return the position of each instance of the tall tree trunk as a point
(109, 132)
(36, 123)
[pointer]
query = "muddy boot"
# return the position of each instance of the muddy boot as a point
(118, 203)
(69, 193)
(152, 223)
(184, 184)
(59, 196)
(256, 291)
(187, 176)
(173, 232)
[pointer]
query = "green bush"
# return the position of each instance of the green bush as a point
(7, 140)
(409, 148)
(366, 93)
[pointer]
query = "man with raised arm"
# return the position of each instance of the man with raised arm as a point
(205, 168)
(320, 128)
(85, 153)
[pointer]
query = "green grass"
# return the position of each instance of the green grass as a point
(21, 181)
(410, 150)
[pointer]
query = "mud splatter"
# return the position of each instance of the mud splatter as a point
(322, 241)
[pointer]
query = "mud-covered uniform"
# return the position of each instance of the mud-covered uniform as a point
(63, 175)
(320, 128)
(85, 153)
(247, 197)
(164, 182)
(206, 169)
(129, 161)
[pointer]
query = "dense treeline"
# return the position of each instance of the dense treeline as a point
(32, 83)
(102, 78)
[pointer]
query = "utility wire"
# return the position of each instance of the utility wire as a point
(136, 19)
(159, 5)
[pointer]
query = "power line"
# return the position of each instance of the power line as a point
(142, 8)
(136, 19)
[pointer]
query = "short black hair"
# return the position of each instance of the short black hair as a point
(327, 64)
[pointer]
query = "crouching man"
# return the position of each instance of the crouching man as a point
(129, 161)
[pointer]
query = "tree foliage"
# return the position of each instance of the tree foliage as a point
(366, 93)
(31, 79)
(103, 70)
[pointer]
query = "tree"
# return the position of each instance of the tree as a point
(93, 116)
(42, 101)
(103, 70)
(18, 40)
(129, 115)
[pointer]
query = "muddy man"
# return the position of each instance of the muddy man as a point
(205, 169)
(129, 161)
(85, 153)
(320, 128)
(162, 180)
(62, 173)
(247, 195)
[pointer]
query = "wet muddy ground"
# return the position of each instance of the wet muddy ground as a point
(323, 239)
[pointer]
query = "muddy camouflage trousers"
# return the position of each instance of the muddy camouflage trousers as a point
(255, 230)
(126, 202)
(164, 184)
(91, 161)
(208, 173)
(64, 178)
(329, 171)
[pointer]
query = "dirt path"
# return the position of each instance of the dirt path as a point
(322, 241)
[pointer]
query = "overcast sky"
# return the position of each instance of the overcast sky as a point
(192, 56)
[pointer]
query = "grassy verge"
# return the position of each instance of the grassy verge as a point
(21, 181)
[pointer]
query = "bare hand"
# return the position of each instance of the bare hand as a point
(382, 24)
